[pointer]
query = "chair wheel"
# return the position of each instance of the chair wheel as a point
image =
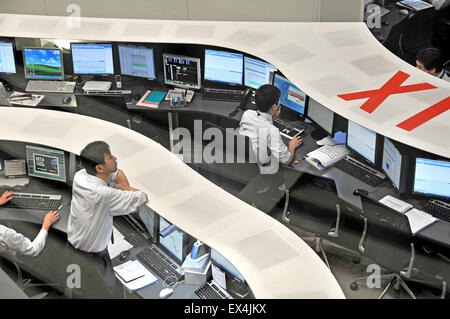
(354, 286)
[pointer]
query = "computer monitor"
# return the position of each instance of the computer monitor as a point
(182, 71)
(43, 63)
(291, 96)
(137, 61)
(7, 62)
(362, 140)
(46, 163)
(176, 242)
(150, 220)
(320, 115)
(432, 177)
(392, 163)
(225, 67)
(257, 72)
(225, 265)
(92, 58)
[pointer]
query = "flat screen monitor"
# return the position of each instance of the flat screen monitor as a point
(362, 140)
(137, 61)
(320, 115)
(257, 72)
(182, 71)
(225, 265)
(92, 58)
(150, 220)
(291, 96)
(392, 162)
(173, 242)
(7, 63)
(432, 177)
(43, 63)
(225, 67)
(46, 163)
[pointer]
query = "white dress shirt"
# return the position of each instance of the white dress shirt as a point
(94, 203)
(440, 4)
(263, 136)
(21, 244)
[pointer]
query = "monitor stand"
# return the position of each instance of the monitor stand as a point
(318, 134)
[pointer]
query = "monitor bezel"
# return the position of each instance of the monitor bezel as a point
(305, 111)
(234, 85)
(199, 70)
(403, 169)
(378, 147)
(43, 78)
(93, 74)
(271, 73)
(13, 54)
(66, 164)
(424, 195)
(135, 46)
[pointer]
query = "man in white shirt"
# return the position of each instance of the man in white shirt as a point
(430, 60)
(264, 136)
(18, 242)
(95, 202)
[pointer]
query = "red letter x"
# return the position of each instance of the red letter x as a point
(376, 97)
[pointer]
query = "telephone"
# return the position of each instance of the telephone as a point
(15, 168)
(246, 100)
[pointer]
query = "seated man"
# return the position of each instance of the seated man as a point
(430, 60)
(18, 242)
(264, 136)
(95, 202)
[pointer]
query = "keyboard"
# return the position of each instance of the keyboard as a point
(211, 290)
(160, 263)
(131, 233)
(361, 171)
(438, 209)
(222, 95)
(50, 86)
(287, 130)
(35, 201)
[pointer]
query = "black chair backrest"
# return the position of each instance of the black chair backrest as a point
(384, 221)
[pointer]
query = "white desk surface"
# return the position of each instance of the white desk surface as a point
(275, 262)
(323, 59)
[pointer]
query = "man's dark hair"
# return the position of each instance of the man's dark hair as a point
(266, 96)
(94, 154)
(431, 58)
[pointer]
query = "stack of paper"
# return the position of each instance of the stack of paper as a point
(396, 204)
(134, 276)
(151, 98)
(418, 220)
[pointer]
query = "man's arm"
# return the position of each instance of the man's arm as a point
(293, 144)
(21, 244)
(129, 188)
(121, 178)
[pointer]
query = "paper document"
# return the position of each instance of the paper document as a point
(120, 244)
(134, 276)
(326, 141)
(326, 155)
(418, 220)
(188, 94)
(396, 204)
(33, 101)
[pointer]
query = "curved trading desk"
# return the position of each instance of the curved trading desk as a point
(275, 262)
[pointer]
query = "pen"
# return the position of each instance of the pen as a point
(63, 205)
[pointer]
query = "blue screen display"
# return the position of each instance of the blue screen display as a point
(7, 63)
(224, 67)
(432, 177)
(43, 63)
(291, 96)
(257, 72)
(92, 58)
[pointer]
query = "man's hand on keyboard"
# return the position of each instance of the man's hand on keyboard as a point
(6, 197)
(49, 219)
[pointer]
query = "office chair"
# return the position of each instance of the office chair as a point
(315, 192)
(10, 255)
(387, 240)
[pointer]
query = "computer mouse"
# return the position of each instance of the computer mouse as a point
(404, 11)
(124, 254)
(165, 293)
(67, 99)
(360, 191)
